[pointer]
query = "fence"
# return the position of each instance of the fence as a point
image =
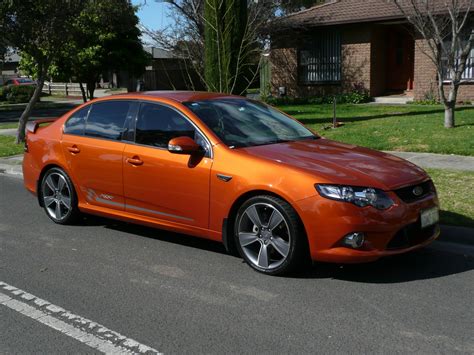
(68, 89)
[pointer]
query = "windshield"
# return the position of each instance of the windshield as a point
(247, 123)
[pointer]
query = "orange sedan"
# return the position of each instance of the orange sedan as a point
(232, 170)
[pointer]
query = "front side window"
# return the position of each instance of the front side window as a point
(158, 124)
(77, 122)
(106, 119)
(246, 123)
(319, 60)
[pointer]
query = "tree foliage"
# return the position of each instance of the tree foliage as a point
(105, 38)
(225, 24)
(40, 29)
(4, 19)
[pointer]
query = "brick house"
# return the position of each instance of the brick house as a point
(343, 44)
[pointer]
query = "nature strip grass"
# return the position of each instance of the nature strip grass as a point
(408, 128)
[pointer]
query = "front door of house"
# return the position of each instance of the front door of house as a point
(400, 61)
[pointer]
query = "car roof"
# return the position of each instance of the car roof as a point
(179, 96)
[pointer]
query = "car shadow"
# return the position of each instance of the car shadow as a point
(426, 263)
(154, 233)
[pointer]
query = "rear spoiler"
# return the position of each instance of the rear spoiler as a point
(32, 126)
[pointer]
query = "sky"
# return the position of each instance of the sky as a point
(153, 14)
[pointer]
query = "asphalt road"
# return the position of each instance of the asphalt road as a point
(179, 294)
(14, 116)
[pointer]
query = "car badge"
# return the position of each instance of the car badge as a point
(418, 191)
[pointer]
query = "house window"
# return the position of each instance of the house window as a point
(319, 60)
(468, 74)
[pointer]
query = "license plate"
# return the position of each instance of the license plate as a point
(429, 217)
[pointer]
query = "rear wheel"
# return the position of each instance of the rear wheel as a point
(269, 235)
(59, 197)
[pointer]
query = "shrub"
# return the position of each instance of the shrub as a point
(2, 94)
(353, 97)
(18, 93)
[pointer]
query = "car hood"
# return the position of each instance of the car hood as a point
(340, 163)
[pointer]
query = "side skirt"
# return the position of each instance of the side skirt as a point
(151, 222)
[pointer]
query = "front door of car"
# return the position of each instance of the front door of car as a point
(160, 184)
(93, 148)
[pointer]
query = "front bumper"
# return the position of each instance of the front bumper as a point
(393, 231)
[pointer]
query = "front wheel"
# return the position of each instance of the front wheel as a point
(58, 196)
(269, 235)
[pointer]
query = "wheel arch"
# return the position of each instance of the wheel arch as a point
(228, 222)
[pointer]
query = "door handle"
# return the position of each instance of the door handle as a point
(134, 161)
(74, 149)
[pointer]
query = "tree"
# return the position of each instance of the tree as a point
(185, 36)
(3, 29)
(447, 28)
(225, 44)
(105, 38)
(39, 29)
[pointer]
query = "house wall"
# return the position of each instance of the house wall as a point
(426, 82)
(356, 64)
(364, 62)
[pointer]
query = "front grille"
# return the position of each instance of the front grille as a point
(406, 194)
(411, 235)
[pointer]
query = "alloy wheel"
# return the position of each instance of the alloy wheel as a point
(264, 236)
(57, 196)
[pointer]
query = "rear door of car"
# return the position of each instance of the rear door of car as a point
(93, 146)
(160, 184)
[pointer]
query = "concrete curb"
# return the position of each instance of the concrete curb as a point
(12, 165)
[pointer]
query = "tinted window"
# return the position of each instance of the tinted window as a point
(157, 124)
(77, 122)
(106, 119)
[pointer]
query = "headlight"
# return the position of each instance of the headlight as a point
(359, 196)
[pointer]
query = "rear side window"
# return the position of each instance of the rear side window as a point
(106, 119)
(157, 125)
(77, 122)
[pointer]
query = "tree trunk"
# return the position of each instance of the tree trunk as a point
(20, 135)
(90, 89)
(449, 113)
(83, 92)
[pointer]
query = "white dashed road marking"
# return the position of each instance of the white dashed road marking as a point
(81, 329)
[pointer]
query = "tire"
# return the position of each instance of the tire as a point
(269, 235)
(58, 197)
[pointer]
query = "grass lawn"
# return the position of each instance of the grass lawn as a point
(8, 146)
(8, 125)
(455, 190)
(410, 128)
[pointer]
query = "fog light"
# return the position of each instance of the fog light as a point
(354, 240)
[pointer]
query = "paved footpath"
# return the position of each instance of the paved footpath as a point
(438, 161)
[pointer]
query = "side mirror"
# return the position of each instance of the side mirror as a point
(183, 145)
